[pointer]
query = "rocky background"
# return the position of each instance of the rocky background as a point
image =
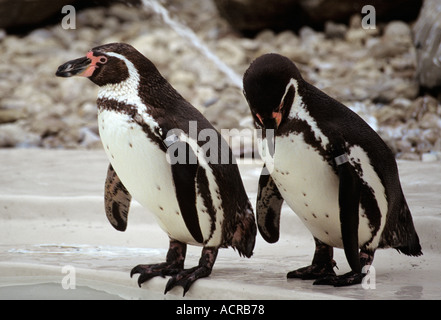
(390, 75)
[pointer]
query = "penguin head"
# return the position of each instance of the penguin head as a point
(108, 64)
(269, 91)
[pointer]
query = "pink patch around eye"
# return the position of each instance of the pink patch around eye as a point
(93, 65)
(278, 117)
(259, 117)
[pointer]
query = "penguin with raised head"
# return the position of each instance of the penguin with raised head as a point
(157, 146)
(331, 168)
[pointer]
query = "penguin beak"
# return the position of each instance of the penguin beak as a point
(83, 67)
(77, 67)
(277, 117)
(270, 126)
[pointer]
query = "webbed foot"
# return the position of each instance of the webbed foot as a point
(185, 278)
(347, 279)
(173, 265)
(314, 271)
(148, 271)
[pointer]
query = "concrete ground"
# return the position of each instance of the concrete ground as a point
(56, 242)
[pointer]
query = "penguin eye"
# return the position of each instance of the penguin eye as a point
(102, 59)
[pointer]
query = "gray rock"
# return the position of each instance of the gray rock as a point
(250, 16)
(427, 39)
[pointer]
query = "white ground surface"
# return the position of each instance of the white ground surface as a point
(52, 217)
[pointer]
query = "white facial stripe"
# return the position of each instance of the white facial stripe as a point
(127, 90)
(299, 111)
(291, 83)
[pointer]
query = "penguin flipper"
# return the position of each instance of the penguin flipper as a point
(349, 199)
(184, 167)
(268, 207)
(116, 200)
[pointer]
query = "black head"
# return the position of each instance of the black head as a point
(268, 89)
(107, 64)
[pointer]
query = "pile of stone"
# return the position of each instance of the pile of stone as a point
(372, 71)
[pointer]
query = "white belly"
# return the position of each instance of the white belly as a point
(310, 187)
(144, 171)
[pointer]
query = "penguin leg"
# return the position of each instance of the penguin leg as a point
(348, 199)
(187, 277)
(352, 277)
(322, 264)
(174, 263)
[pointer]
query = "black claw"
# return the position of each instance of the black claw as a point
(184, 279)
(143, 277)
(134, 271)
(170, 284)
(186, 287)
(147, 272)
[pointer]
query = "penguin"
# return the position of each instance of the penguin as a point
(332, 169)
(156, 142)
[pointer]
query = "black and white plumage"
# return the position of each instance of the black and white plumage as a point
(146, 126)
(331, 168)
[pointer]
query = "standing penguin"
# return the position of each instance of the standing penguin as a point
(331, 168)
(150, 134)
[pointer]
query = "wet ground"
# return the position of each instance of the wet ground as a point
(53, 231)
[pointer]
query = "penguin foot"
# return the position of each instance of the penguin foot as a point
(347, 279)
(185, 278)
(173, 265)
(148, 271)
(314, 271)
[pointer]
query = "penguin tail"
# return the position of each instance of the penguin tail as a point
(409, 243)
(244, 237)
(413, 247)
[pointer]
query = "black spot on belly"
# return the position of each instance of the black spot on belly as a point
(177, 212)
(130, 145)
(304, 194)
(313, 214)
(158, 187)
(326, 215)
(161, 208)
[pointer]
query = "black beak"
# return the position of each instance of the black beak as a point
(73, 67)
(269, 134)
